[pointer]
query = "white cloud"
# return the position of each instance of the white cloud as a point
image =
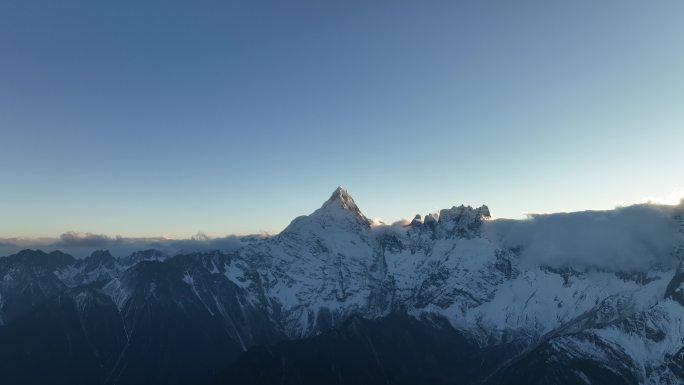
(632, 238)
(674, 198)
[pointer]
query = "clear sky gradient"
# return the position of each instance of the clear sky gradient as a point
(166, 118)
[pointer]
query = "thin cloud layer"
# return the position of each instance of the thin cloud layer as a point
(81, 244)
(76, 239)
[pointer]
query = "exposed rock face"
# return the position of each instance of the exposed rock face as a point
(675, 289)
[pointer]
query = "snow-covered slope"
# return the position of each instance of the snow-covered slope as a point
(333, 263)
(492, 284)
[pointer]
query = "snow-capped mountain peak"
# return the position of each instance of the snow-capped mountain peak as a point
(462, 221)
(341, 196)
(339, 212)
(342, 200)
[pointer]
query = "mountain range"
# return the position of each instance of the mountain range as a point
(454, 297)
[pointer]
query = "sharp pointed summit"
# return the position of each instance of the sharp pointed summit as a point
(341, 200)
(339, 209)
(340, 197)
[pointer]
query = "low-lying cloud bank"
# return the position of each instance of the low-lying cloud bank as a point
(633, 238)
(83, 244)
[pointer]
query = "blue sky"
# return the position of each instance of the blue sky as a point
(169, 118)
